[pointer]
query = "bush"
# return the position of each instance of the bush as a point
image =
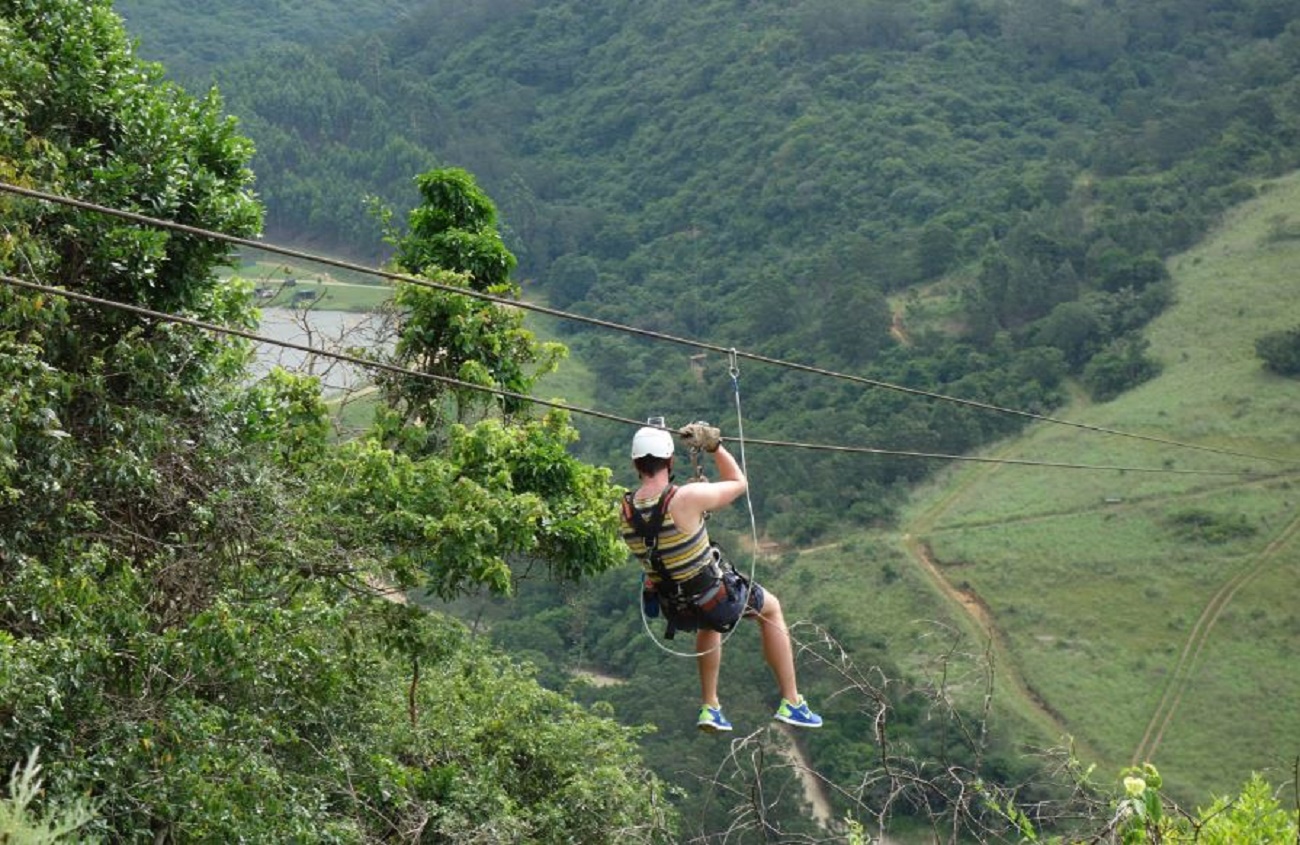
(1118, 367)
(1209, 527)
(20, 825)
(1280, 351)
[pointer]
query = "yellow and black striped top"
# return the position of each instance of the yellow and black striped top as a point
(684, 555)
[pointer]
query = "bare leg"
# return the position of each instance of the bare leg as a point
(777, 650)
(707, 644)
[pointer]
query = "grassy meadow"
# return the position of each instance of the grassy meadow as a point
(1153, 613)
(332, 290)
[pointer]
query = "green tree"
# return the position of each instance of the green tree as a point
(453, 239)
(1121, 365)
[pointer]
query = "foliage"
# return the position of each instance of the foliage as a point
(454, 521)
(764, 175)
(192, 574)
(1117, 368)
(1142, 815)
(1206, 526)
(163, 28)
(1280, 351)
(453, 239)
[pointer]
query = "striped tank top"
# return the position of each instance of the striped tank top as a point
(684, 555)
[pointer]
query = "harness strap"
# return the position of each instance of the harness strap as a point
(649, 531)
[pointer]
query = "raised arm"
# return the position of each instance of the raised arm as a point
(692, 500)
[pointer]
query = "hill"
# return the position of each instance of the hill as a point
(766, 174)
(1151, 613)
(1132, 616)
(193, 53)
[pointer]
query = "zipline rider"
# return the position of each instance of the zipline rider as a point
(687, 576)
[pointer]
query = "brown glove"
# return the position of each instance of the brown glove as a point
(701, 435)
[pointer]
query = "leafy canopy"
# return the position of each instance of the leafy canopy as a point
(191, 628)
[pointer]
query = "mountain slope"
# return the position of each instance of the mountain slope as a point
(1154, 612)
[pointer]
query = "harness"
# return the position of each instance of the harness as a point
(685, 600)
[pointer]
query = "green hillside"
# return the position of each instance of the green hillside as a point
(241, 29)
(1133, 616)
(1151, 637)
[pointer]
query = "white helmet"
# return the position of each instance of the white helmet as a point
(652, 442)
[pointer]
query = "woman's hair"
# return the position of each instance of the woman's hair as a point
(650, 464)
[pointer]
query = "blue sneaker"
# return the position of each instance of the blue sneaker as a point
(712, 721)
(797, 714)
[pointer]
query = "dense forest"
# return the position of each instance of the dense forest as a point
(194, 639)
(784, 177)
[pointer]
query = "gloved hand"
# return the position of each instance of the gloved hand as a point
(701, 435)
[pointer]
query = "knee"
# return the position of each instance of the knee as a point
(772, 609)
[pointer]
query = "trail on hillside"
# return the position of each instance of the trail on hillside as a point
(814, 791)
(787, 745)
(1057, 513)
(1185, 671)
(973, 606)
(898, 330)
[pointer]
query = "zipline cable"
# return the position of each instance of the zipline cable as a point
(235, 240)
(509, 394)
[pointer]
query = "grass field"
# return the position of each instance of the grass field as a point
(1113, 621)
(1150, 641)
(285, 284)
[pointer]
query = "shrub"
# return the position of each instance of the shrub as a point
(21, 825)
(1280, 351)
(1209, 527)
(1118, 367)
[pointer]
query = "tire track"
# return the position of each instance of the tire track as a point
(1185, 670)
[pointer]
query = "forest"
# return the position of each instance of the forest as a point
(972, 198)
(781, 177)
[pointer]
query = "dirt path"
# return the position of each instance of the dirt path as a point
(1184, 672)
(1007, 672)
(898, 331)
(814, 791)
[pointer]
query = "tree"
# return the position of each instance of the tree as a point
(936, 249)
(1121, 365)
(453, 239)
(1074, 328)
